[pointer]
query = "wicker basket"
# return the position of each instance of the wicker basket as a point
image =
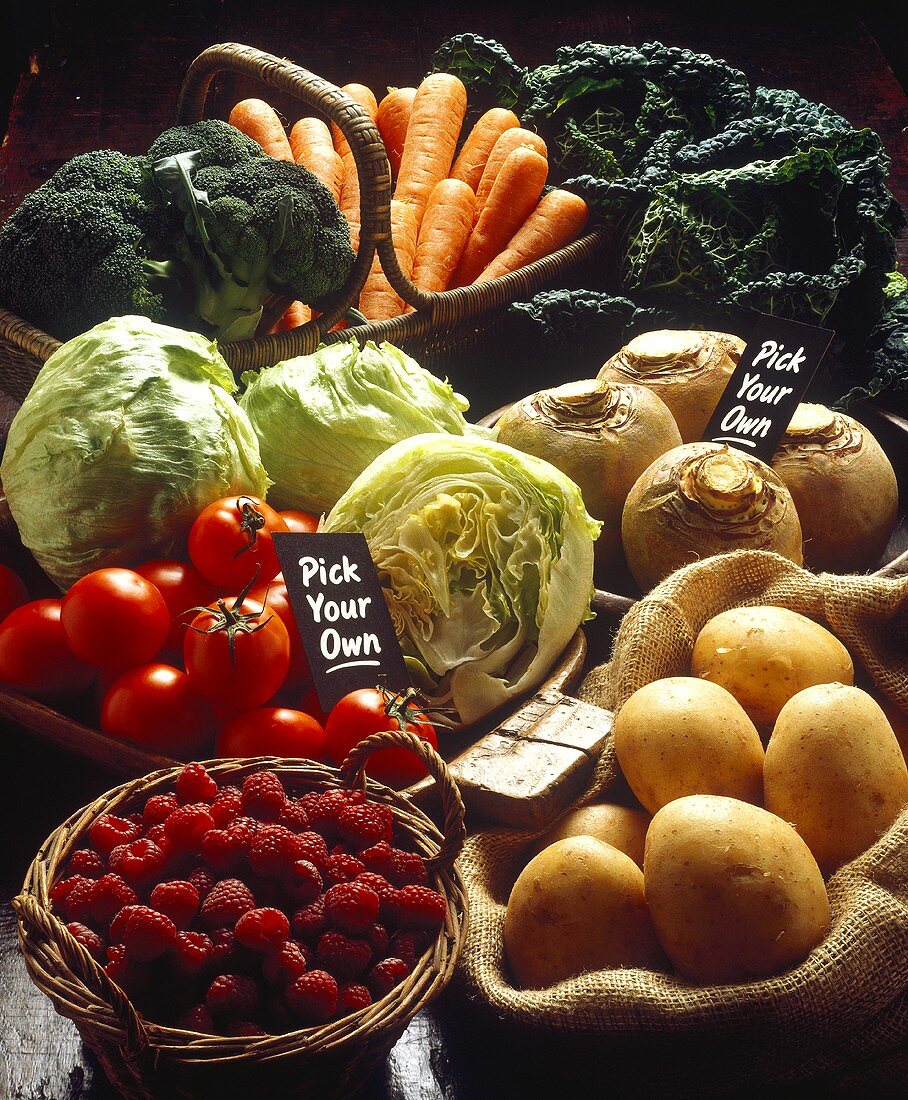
(145, 1060)
(439, 323)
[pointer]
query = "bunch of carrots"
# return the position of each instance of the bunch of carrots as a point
(462, 211)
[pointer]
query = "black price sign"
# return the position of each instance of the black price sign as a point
(776, 367)
(341, 613)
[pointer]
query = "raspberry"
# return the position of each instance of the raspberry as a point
(312, 997)
(223, 946)
(203, 880)
(312, 846)
(376, 936)
(283, 965)
(365, 825)
(303, 882)
(228, 901)
(385, 975)
(187, 825)
(157, 834)
(117, 930)
(272, 850)
(147, 934)
(352, 906)
(194, 784)
(192, 951)
(408, 946)
(107, 831)
(377, 882)
(415, 908)
(409, 869)
(352, 997)
(233, 995)
(139, 862)
(158, 808)
(243, 1028)
(111, 893)
(263, 796)
(325, 809)
(342, 868)
(116, 967)
(90, 940)
(61, 890)
(379, 859)
(294, 815)
(310, 921)
(222, 849)
(197, 1018)
(87, 862)
(342, 955)
(178, 899)
(227, 806)
(262, 929)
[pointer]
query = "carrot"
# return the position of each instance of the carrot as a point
(392, 120)
(446, 226)
(310, 141)
(513, 196)
(349, 192)
(437, 115)
(514, 138)
(294, 315)
(487, 129)
(259, 120)
(557, 219)
(378, 299)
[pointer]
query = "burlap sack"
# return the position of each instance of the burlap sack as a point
(842, 1015)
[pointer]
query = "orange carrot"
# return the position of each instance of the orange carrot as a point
(487, 129)
(294, 315)
(514, 138)
(437, 115)
(392, 121)
(514, 194)
(557, 219)
(443, 234)
(349, 192)
(259, 120)
(310, 141)
(378, 299)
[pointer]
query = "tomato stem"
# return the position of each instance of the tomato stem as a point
(231, 620)
(252, 522)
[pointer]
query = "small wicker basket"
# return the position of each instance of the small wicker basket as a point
(438, 323)
(145, 1060)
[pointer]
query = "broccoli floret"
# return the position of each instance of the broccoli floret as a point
(256, 229)
(216, 142)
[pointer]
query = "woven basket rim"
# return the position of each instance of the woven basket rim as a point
(48, 947)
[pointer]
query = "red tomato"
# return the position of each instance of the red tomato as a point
(156, 706)
(371, 710)
(257, 666)
(114, 618)
(13, 592)
(34, 656)
(299, 521)
(277, 598)
(182, 587)
(231, 538)
(273, 731)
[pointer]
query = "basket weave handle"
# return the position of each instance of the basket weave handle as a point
(41, 931)
(454, 832)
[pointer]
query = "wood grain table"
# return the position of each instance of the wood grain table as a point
(98, 75)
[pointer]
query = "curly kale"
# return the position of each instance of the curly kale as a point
(487, 69)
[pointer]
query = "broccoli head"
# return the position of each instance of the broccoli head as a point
(216, 142)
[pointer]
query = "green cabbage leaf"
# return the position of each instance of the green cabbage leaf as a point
(128, 432)
(485, 555)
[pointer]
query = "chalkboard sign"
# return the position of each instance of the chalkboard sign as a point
(772, 376)
(341, 613)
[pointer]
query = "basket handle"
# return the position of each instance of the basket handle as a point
(454, 831)
(365, 144)
(37, 924)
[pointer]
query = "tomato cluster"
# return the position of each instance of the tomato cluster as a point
(180, 655)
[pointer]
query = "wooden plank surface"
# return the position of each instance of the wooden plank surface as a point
(102, 75)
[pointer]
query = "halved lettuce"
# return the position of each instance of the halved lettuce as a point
(485, 555)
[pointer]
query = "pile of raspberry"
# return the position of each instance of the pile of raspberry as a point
(246, 911)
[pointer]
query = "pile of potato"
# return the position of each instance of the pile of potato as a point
(725, 882)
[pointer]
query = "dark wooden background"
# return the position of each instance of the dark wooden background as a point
(91, 75)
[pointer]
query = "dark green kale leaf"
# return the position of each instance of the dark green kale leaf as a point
(492, 76)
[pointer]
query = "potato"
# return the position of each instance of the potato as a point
(763, 655)
(620, 826)
(681, 735)
(577, 906)
(734, 892)
(835, 770)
